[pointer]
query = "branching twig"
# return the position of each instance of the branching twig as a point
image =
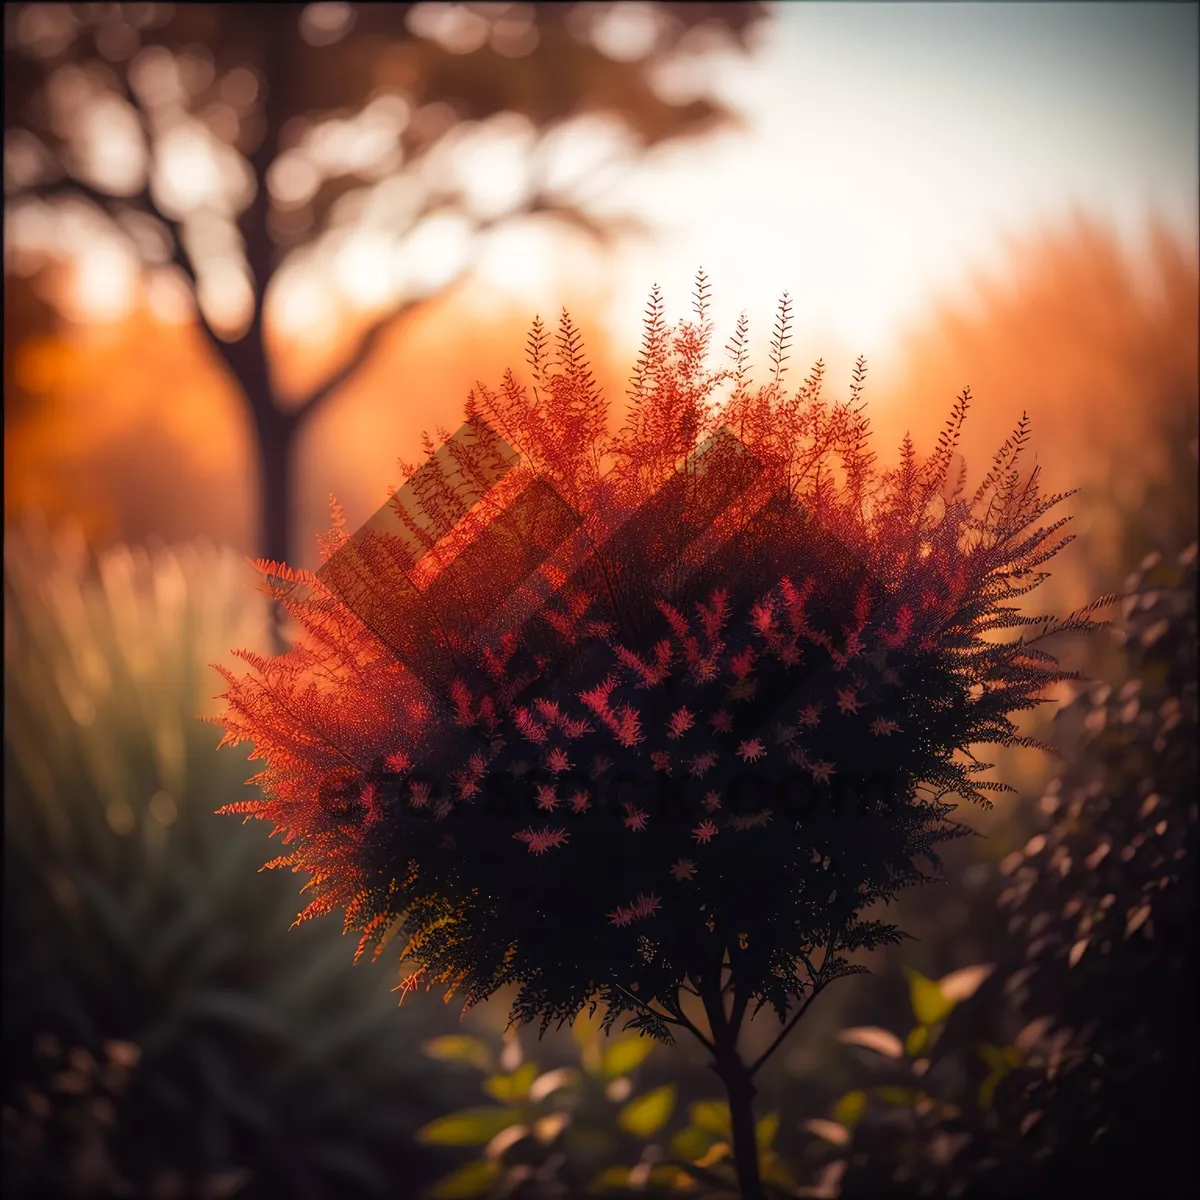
(783, 1033)
(679, 1020)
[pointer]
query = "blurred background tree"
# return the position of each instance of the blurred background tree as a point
(228, 148)
(165, 1033)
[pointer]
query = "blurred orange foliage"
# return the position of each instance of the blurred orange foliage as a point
(1101, 351)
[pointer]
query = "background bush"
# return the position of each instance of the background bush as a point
(257, 1060)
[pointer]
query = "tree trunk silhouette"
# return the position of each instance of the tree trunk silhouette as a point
(276, 438)
(739, 1087)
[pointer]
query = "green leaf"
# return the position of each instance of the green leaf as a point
(1001, 1060)
(987, 1089)
(917, 1040)
(712, 1116)
(849, 1109)
(625, 1056)
(468, 1127)
(459, 1047)
(645, 1115)
(473, 1179)
(899, 1097)
(929, 1006)
(690, 1143)
(507, 1088)
(765, 1130)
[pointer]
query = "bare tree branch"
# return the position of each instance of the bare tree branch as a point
(362, 354)
(783, 1033)
(378, 329)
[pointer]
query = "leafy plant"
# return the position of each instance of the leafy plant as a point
(588, 1127)
(1104, 893)
(648, 718)
(915, 1110)
(1094, 1090)
(267, 1066)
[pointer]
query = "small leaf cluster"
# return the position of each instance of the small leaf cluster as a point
(592, 1127)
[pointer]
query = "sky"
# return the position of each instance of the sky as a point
(893, 147)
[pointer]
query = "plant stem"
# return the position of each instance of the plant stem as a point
(739, 1086)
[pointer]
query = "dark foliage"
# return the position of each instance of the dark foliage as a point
(1096, 1094)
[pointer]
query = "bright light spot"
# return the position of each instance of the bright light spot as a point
(432, 121)
(323, 24)
(579, 150)
(210, 236)
(683, 78)
(493, 167)
(103, 284)
(340, 147)
(169, 298)
(300, 303)
(113, 153)
(68, 89)
(627, 32)
(433, 254)
(187, 175)
(362, 270)
(151, 239)
(293, 179)
(196, 69)
(438, 166)
(516, 259)
(453, 26)
(226, 297)
(28, 227)
(391, 108)
(222, 119)
(394, 203)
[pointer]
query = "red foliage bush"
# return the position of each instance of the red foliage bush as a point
(612, 715)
